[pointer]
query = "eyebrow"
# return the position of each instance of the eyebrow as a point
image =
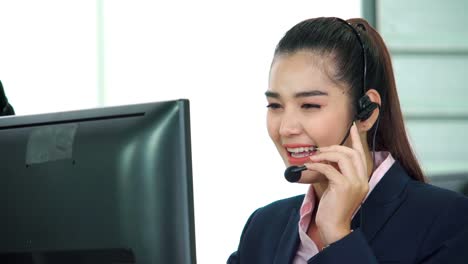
(298, 95)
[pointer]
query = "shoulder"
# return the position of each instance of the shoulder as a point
(283, 205)
(435, 206)
(431, 198)
(442, 213)
(278, 211)
(422, 198)
(264, 230)
(268, 223)
(420, 208)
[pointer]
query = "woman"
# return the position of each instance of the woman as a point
(333, 107)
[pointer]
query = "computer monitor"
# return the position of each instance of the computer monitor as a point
(105, 185)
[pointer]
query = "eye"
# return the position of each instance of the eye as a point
(274, 106)
(309, 106)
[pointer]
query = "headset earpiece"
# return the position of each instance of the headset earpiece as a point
(365, 108)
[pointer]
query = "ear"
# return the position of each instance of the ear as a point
(366, 125)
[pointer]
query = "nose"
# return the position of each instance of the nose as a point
(290, 125)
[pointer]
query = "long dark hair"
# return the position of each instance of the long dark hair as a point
(331, 36)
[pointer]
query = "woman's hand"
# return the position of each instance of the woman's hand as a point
(347, 187)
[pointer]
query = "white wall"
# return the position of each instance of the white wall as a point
(48, 54)
(217, 54)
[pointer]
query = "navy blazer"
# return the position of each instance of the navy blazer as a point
(403, 221)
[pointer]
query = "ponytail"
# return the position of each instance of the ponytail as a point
(391, 133)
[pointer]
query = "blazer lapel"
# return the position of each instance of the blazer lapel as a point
(382, 203)
(289, 241)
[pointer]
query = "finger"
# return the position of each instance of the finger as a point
(339, 148)
(345, 163)
(357, 145)
(353, 154)
(332, 175)
(356, 141)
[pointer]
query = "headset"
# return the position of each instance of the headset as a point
(365, 106)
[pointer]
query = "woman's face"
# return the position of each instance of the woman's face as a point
(305, 107)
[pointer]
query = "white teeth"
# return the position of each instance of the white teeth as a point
(293, 150)
(301, 149)
(300, 155)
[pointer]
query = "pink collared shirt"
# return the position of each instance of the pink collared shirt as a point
(307, 248)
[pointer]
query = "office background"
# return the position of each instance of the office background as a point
(60, 55)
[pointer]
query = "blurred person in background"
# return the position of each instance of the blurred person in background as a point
(5, 107)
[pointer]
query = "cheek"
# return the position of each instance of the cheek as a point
(326, 130)
(273, 126)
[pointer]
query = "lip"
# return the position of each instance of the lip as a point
(297, 161)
